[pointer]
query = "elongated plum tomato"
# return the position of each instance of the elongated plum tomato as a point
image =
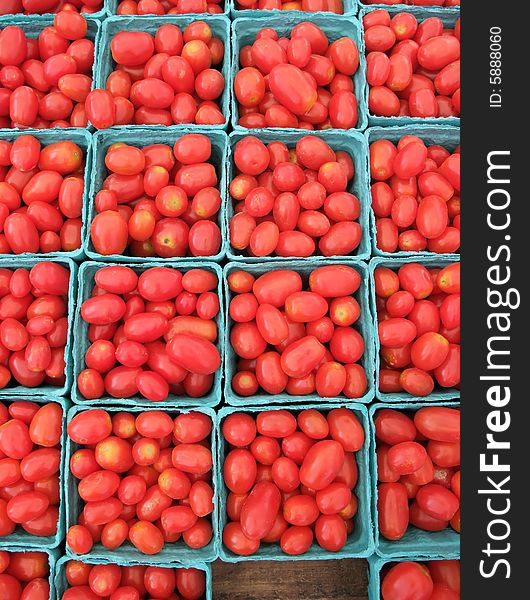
(407, 581)
(259, 510)
(321, 464)
(292, 89)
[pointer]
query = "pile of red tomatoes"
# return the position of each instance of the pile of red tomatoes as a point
(30, 446)
(168, 7)
(415, 2)
(413, 69)
(435, 580)
(334, 6)
(24, 575)
(291, 199)
(44, 81)
(418, 311)
(159, 201)
(144, 477)
(303, 82)
(37, 7)
(137, 582)
(415, 196)
(290, 479)
(41, 196)
(166, 79)
(151, 334)
(297, 336)
(33, 325)
(418, 470)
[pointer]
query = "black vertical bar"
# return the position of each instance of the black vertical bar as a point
(495, 263)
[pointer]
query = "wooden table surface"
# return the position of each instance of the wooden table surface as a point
(290, 580)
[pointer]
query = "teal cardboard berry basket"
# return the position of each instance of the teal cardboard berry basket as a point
(13, 388)
(112, 6)
(20, 538)
(375, 571)
(86, 284)
(142, 137)
(439, 394)
(33, 25)
(105, 64)
(443, 135)
(351, 8)
(364, 325)
(415, 542)
(449, 17)
(352, 142)
(176, 552)
(53, 557)
(100, 14)
(360, 542)
(406, 7)
(244, 31)
(83, 139)
(61, 583)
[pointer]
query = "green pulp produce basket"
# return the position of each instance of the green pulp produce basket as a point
(61, 583)
(442, 135)
(351, 142)
(219, 24)
(449, 17)
(350, 10)
(177, 552)
(34, 24)
(142, 137)
(46, 137)
(244, 31)
(53, 557)
(360, 541)
(87, 272)
(14, 389)
(375, 570)
(113, 6)
(415, 542)
(364, 325)
(20, 538)
(439, 394)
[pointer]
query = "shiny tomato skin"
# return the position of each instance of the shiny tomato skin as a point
(407, 581)
(274, 287)
(276, 423)
(382, 101)
(27, 506)
(406, 458)
(191, 583)
(239, 429)
(321, 464)
(302, 356)
(259, 510)
(146, 537)
(237, 542)
(292, 89)
(334, 281)
(394, 427)
(345, 428)
(392, 506)
(437, 502)
(343, 110)
(296, 540)
(109, 233)
(40, 464)
(269, 373)
(330, 532)
(90, 427)
(439, 423)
